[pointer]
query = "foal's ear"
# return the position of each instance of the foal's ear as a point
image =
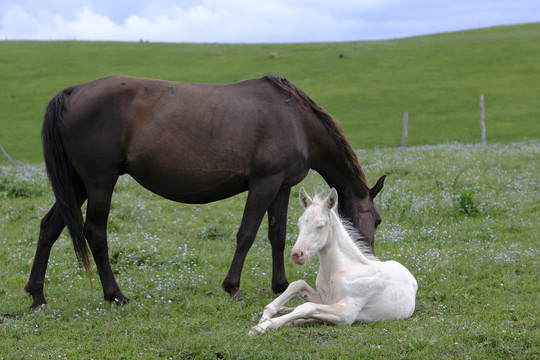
(305, 200)
(332, 199)
(377, 188)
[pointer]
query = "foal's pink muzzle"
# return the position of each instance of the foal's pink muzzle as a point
(299, 256)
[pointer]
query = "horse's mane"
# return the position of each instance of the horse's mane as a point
(329, 123)
(355, 236)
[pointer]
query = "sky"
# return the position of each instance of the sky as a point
(253, 21)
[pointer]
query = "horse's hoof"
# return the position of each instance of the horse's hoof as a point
(119, 300)
(233, 290)
(37, 307)
(122, 301)
(279, 288)
(236, 297)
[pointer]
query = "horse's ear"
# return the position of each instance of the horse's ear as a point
(305, 200)
(332, 199)
(377, 188)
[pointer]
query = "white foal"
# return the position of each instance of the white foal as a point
(351, 285)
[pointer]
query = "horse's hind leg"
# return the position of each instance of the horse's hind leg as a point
(277, 230)
(50, 229)
(95, 230)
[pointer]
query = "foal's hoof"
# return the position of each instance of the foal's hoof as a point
(256, 330)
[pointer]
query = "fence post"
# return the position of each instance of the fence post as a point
(405, 132)
(482, 119)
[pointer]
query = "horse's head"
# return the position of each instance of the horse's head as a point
(313, 225)
(357, 206)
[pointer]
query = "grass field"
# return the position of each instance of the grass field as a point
(365, 85)
(462, 218)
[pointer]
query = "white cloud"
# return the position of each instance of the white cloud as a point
(87, 24)
(252, 21)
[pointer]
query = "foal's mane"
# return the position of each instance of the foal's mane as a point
(357, 239)
(355, 236)
(329, 123)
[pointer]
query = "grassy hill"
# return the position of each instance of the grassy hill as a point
(365, 85)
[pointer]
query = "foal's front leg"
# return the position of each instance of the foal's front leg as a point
(334, 314)
(296, 288)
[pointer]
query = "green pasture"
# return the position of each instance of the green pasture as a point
(365, 85)
(462, 218)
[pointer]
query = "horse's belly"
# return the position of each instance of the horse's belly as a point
(195, 187)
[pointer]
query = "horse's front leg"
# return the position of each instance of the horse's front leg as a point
(95, 230)
(277, 231)
(261, 194)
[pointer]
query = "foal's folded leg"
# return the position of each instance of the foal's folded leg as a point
(296, 288)
(306, 313)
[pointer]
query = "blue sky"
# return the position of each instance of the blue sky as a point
(256, 21)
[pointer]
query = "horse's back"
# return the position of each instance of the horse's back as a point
(187, 142)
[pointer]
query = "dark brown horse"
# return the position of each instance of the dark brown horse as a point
(191, 143)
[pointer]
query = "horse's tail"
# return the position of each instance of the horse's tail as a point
(67, 185)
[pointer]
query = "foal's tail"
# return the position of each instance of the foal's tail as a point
(67, 185)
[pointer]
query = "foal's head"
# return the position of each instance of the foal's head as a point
(314, 226)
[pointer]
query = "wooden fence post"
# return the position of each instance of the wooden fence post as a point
(405, 131)
(482, 119)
